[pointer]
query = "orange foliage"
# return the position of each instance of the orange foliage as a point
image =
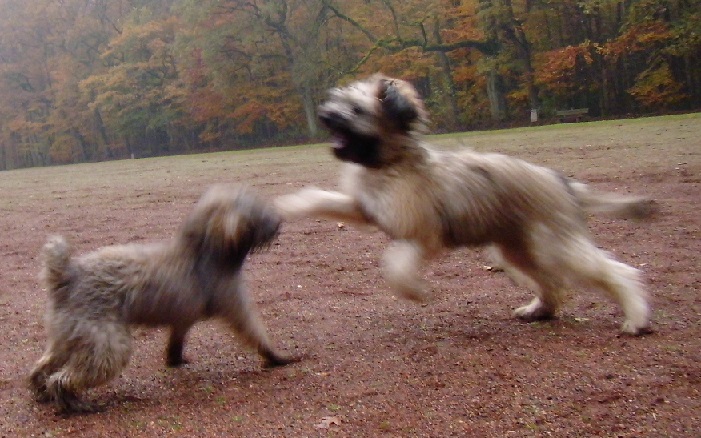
(560, 70)
(642, 37)
(247, 114)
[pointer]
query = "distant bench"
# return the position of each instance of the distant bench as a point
(572, 115)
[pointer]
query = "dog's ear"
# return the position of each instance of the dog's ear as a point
(210, 229)
(224, 240)
(195, 228)
(227, 223)
(233, 229)
(396, 107)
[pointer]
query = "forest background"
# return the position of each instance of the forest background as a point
(93, 80)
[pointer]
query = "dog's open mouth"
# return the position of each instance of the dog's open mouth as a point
(348, 145)
(345, 145)
(357, 148)
(340, 141)
(342, 136)
(343, 142)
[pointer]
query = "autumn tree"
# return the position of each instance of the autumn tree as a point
(624, 56)
(137, 94)
(260, 54)
(47, 48)
(87, 80)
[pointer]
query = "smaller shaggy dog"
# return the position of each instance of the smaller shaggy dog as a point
(95, 298)
(429, 201)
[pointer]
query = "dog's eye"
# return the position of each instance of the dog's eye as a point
(357, 110)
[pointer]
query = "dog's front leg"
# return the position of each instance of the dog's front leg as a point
(313, 202)
(239, 311)
(402, 262)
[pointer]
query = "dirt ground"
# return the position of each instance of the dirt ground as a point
(374, 365)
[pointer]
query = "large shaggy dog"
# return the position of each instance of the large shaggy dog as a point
(428, 200)
(95, 298)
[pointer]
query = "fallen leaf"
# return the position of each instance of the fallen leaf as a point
(326, 422)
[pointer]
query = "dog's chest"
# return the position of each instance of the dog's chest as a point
(398, 204)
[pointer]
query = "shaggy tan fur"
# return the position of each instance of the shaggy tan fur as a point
(95, 298)
(428, 200)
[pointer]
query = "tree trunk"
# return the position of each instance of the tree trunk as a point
(446, 71)
(102, 131)
(529, 73)
(78, 137)
(495, 93)
(309, 111)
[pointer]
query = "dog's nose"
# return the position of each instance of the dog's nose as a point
(324, 116)
(272, 224)
(275, 225)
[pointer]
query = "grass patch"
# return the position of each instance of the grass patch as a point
(654, 142)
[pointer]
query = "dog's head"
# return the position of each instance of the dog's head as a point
(229, 222)
(371, 119)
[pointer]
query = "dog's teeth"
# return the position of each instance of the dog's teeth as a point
(338, 143)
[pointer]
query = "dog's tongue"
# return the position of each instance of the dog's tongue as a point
(338, 142)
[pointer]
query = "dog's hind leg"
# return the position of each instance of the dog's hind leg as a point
(241, 314)
(526, 269)
(547, 300)
(48, 364)
(176, 343)
(63, 388)
(498, 260)
(97, 355)
(622, 283)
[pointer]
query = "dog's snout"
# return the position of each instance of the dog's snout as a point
(331, 119)
(269, 225)
(274, 225)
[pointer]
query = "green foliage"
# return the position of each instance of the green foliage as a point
(657, 88)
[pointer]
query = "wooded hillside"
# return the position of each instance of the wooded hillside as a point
(91, 80)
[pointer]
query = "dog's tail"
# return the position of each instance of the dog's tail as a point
(56, 255)
(628, 207)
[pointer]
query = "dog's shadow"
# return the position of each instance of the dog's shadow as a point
(206, 384)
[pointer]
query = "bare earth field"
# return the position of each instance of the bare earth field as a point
(375, 365)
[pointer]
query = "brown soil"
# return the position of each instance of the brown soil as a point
(373, 364)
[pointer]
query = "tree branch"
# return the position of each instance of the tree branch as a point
(349, 20)
(396, 44)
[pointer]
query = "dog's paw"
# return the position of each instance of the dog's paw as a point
(280, 361)
(176, 363)
(633, 329)
(174, 356)
(272, 358)
(534, 311)
(644, 209)
(37, 384)
(417, 295)
(41, 396)
(70, 404)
